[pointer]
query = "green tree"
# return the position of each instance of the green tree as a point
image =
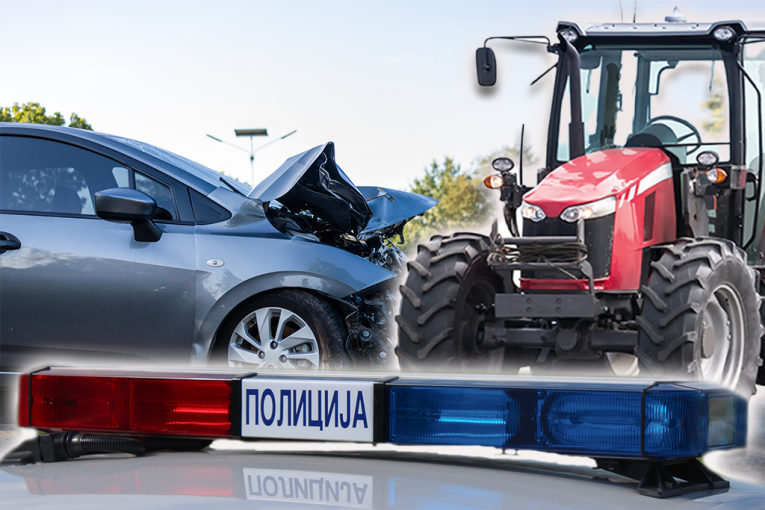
(463, 202)
(716, 111)
(33, 113)
(75, 121)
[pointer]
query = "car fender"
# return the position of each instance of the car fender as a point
(232, 269)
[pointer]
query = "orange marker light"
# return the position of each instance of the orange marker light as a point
(493, 181)
(716, 175)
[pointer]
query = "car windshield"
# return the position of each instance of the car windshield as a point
(197, 170)
(677, 95)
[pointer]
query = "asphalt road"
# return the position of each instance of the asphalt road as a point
(746, 465)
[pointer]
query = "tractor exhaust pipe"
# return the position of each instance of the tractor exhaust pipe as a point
(576, 127)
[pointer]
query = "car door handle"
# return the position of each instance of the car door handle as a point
(8, 242)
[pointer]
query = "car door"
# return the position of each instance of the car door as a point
(78, 289)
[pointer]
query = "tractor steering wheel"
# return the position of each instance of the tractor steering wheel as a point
(694, 132)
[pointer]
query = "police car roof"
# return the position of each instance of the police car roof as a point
(360, 477)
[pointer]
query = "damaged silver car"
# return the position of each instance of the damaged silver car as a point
(116, 251)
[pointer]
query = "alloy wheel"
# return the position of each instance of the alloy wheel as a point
(274, 338)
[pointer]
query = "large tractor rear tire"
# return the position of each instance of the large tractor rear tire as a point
(448, 294)
(701, 315)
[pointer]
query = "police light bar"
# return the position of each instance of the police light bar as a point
(613, 418)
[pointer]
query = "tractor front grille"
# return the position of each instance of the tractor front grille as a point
(598, 237)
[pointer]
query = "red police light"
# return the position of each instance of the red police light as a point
(181, 407)
(23, 413)
(178, 406)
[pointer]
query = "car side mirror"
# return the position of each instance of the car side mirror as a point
(125, 205)
(486, 66)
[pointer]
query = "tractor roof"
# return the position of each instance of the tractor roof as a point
(586, 29)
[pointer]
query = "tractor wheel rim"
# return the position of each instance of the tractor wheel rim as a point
(623, 364)
(722, 337)
(274, 338)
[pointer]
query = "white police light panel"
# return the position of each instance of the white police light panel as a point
(324, 410)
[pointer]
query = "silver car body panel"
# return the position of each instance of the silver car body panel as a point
(75, 278)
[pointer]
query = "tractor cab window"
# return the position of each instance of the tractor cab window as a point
(676, 98)
(754, 110)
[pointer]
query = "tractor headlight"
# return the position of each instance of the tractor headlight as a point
(502, 164)
(723, 34)
(588, 211)
(569, 34)
(707, 158)
(532, 212)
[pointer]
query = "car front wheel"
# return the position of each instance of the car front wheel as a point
(284, 330)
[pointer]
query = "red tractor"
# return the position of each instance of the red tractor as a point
(642, 246)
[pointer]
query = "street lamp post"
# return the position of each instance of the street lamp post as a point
(252, 152)
(252, 133)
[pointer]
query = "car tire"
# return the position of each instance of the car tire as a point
(701, 315)
(448, 294)
(302, 331)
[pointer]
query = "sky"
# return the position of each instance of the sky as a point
(391, 83)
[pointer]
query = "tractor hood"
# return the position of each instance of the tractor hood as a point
(310, 192)
(593, 177)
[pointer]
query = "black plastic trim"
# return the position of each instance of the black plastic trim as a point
(598, 237)
(665, 479)
(29, 394)
(199, 202)
(381, 431)
(235, 406)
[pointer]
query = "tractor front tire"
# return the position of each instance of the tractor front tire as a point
(448, 295)
(700, 316)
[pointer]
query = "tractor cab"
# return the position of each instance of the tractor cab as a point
(692, 90)
(641, 247)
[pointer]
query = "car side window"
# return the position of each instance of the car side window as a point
(161, 193)
(45, 176)
(122, 176)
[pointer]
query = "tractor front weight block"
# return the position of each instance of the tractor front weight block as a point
(547, 306)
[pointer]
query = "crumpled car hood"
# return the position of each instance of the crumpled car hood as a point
(312, 181)
(390, 206)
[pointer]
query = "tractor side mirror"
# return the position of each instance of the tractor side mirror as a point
(486, 66)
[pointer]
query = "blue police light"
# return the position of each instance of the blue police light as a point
(603, 421)
(456, 416)
(629, 420)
